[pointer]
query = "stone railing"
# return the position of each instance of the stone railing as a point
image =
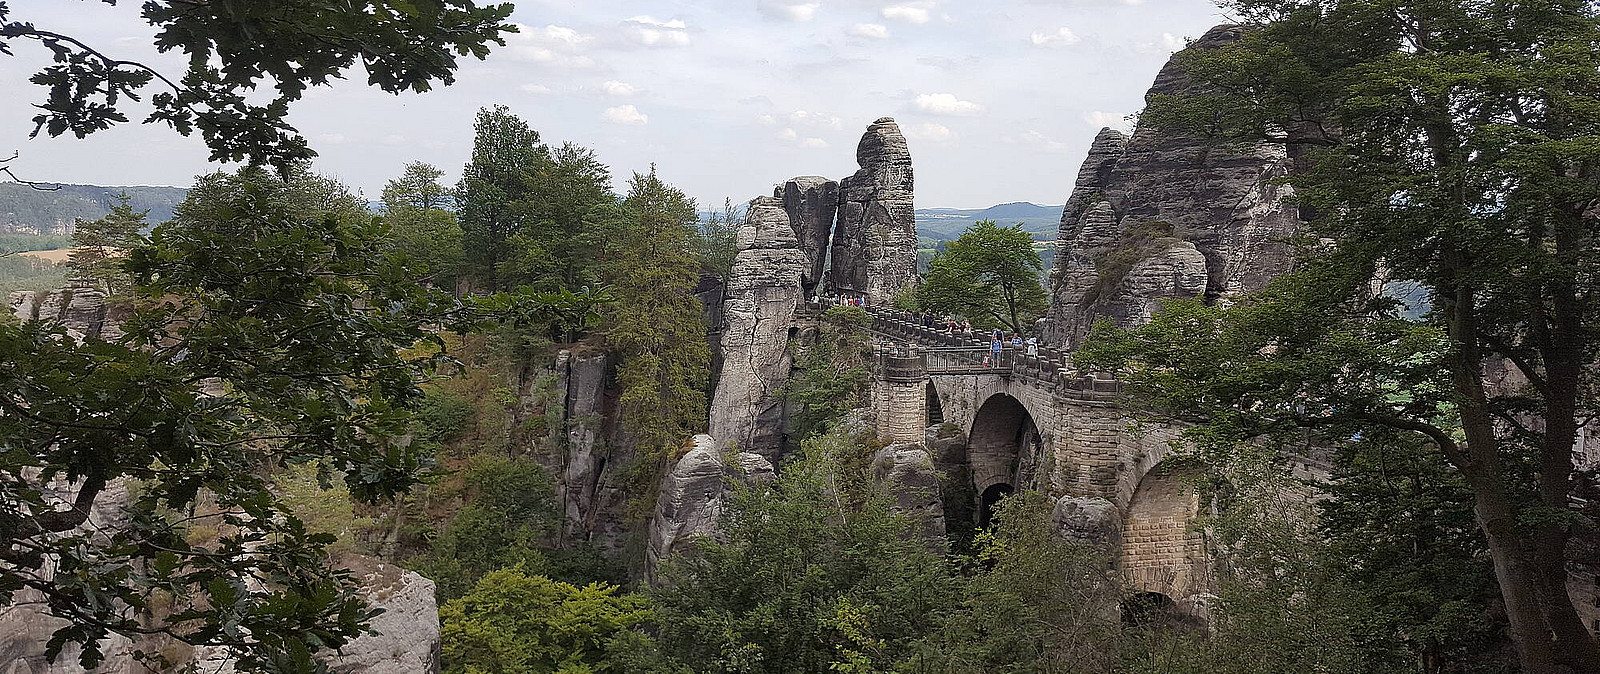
(959, 353)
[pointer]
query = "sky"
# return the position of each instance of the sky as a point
(999, 99)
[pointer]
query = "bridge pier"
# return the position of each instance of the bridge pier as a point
(900, 396)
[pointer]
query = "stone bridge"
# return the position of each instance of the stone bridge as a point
(1035, 422)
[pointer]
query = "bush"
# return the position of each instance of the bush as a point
(514, 622)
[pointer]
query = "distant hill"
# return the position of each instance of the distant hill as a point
(24, 209)
(949, 223)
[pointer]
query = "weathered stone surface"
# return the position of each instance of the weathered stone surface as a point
(875, 238)
(1086, 519)
(80, 308)
(762, 295)
(587, 487)
(407, 639)
(811, 202)
(909, 472)
(692, 497)
(1137, 199)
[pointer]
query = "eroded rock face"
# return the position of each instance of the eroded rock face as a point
(1086, 520)
(759, 311)
(875, 238)
(80, 308)
(1162, 215)
(811, 202)
(408, 629)
(692, 498)
(909, 471)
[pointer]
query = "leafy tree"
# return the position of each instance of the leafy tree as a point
(1034, 603)
(557, 243)
(832, 373)
(270, 327)
(510, 512)
(1447, 145)
(235, 48)
(516, 623)
(655, 322)
(98, 243)
(416, 209)
(990, 274)
(504, 151)
(718, 242)
(814, 572)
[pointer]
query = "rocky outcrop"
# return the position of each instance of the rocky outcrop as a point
(407, 638)
(81, 308)
(587, 451)
(811, 202)
(1165, 215)
(1086, 520)
(874, 251)
(692, 498)
(763, 294)
(909, 472)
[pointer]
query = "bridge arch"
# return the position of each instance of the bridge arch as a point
(1002, 440)
(1163, 554)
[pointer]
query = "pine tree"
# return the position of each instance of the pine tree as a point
(99, 245)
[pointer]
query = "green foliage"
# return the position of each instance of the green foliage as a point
(442, 416)
(1443, 151)
(278, 293)
(24, 272)
(816, 572)
(557, 243)
(516, 623)
(832, 373)
(504, 150)
(1033, 602)
(415, 207)
(17, 243)
(98, 245)
(990, 275)
(656, 321)
(717, 244)
(234, 50)
(510, 512)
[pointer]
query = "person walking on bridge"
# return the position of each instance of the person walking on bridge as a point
(995, 345)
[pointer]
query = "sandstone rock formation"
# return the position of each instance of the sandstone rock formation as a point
(909, 471)
(874, 249)
(692, 497)
(763, 294)
(1166, 215)
(587, 452)
(80, 308)
(1086, 520)
(811, 202)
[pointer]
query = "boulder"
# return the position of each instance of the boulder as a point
(764, 291)
(692, 497)
(1086, 520)
(1162, 215)
(874, 249)
(909, 472)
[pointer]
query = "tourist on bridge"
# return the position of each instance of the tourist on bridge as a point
(1033, 347)
(994, 348)
(966, 328)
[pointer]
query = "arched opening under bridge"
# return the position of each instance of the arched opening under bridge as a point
(935, 410)
(1162, 552)
(1003, 440)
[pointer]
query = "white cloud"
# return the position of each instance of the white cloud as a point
(625, 114)
(532, 88)
(645, 19)
(910, 12)
(1100, 120)
(333, 139)
(1042, 143)
(393, 139)
(652, 32)
(815, 119)
(929, 131)
(788, 11)
(767, 120)
(947, 104)
(814, 142)
(615, 88)
(1166, 45)
(788, 134)
(556, 46)
(876, 31)
(1062, 37)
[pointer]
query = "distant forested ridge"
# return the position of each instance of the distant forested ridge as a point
(37, 211)
(947, 224)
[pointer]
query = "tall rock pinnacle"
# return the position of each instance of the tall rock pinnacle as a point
(875, 241)
(811, 202)
(1163, 215)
